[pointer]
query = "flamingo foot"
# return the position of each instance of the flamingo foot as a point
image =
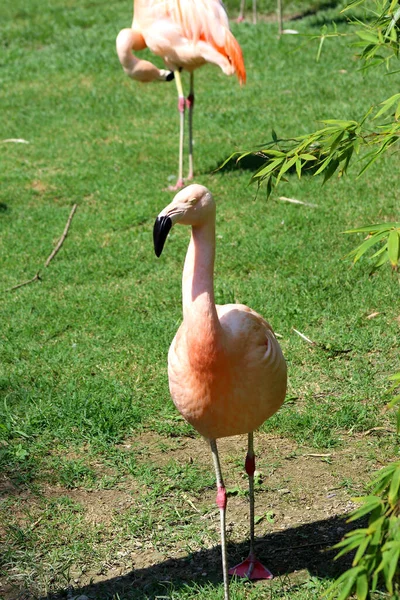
(179, 185)
(251, 568)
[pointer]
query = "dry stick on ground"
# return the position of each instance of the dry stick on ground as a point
(53, 253)
(62, 238)
(15, 287)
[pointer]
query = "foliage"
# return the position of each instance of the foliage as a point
(388, 234)
(327, 150)
(330, 150)
(377, 546)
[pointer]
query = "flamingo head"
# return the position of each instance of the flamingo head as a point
(193, 205)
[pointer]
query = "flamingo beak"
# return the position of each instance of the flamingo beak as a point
(161, 230)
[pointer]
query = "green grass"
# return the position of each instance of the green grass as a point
(83, 351)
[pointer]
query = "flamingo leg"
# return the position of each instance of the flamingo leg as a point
(221, 503)
(190, 105)
(251, 567)
(241, 12)
(181, 109)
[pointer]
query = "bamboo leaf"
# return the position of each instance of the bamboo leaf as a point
(368, 36)
(370, 503)
(362, 587)
(392, 567)
(394, 401)
(393, 247)
(387, 104)
(393, 496)
(373, 228)
(368, 243)
(331, 169)
(307, 156)
(384, 258)
(361, 550)
(378, 252)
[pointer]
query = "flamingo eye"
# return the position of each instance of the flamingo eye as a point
(192, 201)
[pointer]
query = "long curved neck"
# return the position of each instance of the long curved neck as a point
(199, 312)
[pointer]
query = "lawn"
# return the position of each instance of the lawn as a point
(105, 490)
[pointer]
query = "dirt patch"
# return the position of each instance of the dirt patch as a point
(302, 498)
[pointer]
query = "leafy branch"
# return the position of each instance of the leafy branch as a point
(385, 234)
(377, 546)
(327, 150)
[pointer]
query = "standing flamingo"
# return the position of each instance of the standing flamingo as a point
(186, 34)
(241, 12)
(226, 371)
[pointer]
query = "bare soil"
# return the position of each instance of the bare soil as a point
(302, 501)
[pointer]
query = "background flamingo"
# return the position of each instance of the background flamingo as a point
(186, 34)
(226, 371)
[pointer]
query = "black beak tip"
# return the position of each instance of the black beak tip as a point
(161, 229)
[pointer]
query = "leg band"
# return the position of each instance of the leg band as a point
(250, 464)
(221, 497)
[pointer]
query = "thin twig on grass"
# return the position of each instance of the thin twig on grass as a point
(52, 255)
(15, 287)
(62, 238)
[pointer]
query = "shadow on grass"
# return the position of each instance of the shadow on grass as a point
(252, 162)
(306, 547)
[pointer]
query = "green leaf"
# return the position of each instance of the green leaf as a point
(308, 156)
(392, 570)
(394, 401)
(378, 252)
(362, 248)
(393, 496)
(373, 228)
(285, 167)
(361, 550)
(362, 587)
(349, 544)
(370, 503)
(384, 258)
(393, 247)
(368, 36)
(264, 171)
(387, 104)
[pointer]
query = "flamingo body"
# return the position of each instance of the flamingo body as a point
(226, 370)
(232, 383)
(186, 34)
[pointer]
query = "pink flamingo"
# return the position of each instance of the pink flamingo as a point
(186, 34)
(226, 371)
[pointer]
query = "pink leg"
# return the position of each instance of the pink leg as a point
(189, 106)
(251, 567)
(181, 109)
(241, 12)
(221, 503)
